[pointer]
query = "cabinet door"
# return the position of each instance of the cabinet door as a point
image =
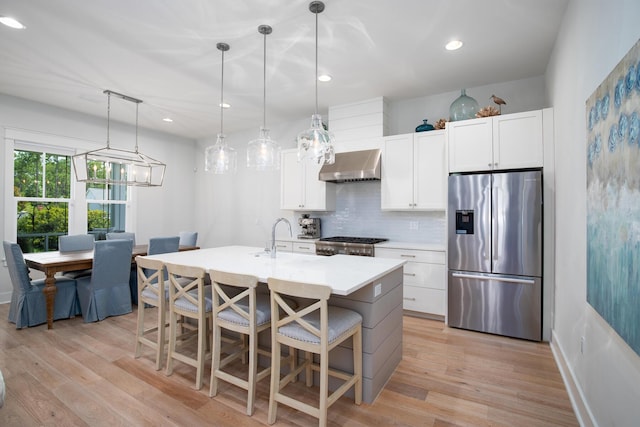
(430, 170)
(517, 140)
(317, 195)
(397, 172)
(291, 182)
(470, 145)
(304, 248)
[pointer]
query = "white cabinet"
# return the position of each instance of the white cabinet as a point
(414, 172)
(510, 141)
(296, 246)
(300, 188)
(424, 279)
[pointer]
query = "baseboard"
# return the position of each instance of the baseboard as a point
(580, 406)
(5, 297)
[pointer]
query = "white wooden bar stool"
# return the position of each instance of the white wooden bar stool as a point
(190, 299)
(152, 290)
(237, 307)
(314, 328)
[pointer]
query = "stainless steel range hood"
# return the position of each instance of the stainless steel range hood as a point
(353, 166)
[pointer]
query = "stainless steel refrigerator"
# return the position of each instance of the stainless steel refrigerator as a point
(495, 253)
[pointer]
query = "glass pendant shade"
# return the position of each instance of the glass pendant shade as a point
(316, 144)
(220, 158)
(263, 153)
(118, 166)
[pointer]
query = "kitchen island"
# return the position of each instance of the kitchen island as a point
(370, 286)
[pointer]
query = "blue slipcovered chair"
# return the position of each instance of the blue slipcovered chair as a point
(163, 245)
(106, 293)
(122, 235)
(188, 238)
(72, 243)
(28, 303)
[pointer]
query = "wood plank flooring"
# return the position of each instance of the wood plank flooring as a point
(85, 375)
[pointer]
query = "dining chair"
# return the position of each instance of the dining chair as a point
(163, 245)
(315, 328)
(153, 291)
(188, 238)
(72, 243)
(189, 298)
(106, 292)
(238, 308)
(28, 302)
(133, 273)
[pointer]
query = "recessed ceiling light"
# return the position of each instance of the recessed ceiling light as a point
(454, 45)
(168, 120)
(11, 22)
(324, 78)
(224, 105)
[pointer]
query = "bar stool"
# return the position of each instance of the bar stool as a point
(237, 307)
(153, 291)
(190, 299)
(315, 328)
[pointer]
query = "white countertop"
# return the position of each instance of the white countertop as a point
(392, 244)
(343, 273)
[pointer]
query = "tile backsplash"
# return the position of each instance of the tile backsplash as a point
(358, 214)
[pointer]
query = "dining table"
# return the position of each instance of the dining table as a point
(371, 286)
(54, 262)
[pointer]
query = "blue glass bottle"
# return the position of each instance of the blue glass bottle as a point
(464, 107)
(424, 126)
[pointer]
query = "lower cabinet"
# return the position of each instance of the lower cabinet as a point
(296, 246)
(424, 284)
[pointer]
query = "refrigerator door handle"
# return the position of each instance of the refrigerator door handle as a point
(499, 279)
(494, 223)
(489, 220)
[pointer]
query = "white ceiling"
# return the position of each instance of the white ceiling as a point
(164, 52)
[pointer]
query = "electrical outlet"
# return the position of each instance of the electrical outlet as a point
(377, 290)
(413, 225)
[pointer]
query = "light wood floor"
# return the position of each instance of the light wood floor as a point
(85, 374)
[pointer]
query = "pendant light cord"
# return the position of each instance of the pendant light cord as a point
(264, 83)
(222, 95)
(108, 117)
(316, 75)
(137, 127)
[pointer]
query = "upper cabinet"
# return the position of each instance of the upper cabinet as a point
(510, 141)
(300, 188)
(414, 173)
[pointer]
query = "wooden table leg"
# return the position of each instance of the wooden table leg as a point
(49, 291)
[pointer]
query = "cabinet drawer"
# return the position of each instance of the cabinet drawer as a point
(425, 275)
(283, 245)
(423, 300)
(307, 248)
(434, 257)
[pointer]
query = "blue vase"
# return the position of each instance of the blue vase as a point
(424, 126)
(464, 107)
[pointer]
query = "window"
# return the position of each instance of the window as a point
(42, 191)
(106, 209)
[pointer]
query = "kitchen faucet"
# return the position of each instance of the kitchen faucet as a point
(273, 235)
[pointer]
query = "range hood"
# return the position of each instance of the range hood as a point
(353, 166)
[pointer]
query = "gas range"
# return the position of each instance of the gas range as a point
(362, 246)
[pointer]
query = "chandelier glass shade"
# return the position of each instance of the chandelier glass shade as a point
(316, 143)
(263, 153)
(220, 158)
(118, 166)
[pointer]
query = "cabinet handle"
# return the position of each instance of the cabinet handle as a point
(409, 299)
(407, 256)
(410, 274)
(304, 247)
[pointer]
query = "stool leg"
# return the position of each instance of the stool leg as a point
(215, 360)
(275, 380)
(357, 364)
(253, 368)
(162, 320)
(324, 389)
(202, 332)
(140, 332)
(173, 318)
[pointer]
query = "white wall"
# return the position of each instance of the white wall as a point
(159, 211)
(595, 35)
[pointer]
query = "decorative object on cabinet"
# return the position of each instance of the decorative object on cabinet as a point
(220, 158)
(612, 134)
(487, 111)
(118, 166)
(316, 143)
(424, 126)
(440, 124)
(464, 107)
(263, 153)
(499, 102)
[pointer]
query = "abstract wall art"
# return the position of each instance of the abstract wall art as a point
(613, 198)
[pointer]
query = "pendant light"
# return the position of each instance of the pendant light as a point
(220, 158)
(316, 143)
(263, 153)
(118, 166)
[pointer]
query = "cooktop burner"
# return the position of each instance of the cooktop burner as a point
(360, 240)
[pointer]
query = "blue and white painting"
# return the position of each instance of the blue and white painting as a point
(613, 199)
